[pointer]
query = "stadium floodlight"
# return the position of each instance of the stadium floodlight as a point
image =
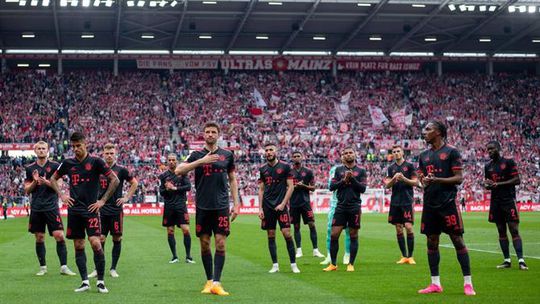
(492, 8)
(22, 3)
(153, 3)
(360, 53)
(108, 3)
(149, 52)
(22, 65)
(130, 3)
(141, 3)
(522, 8)
(97, 3)
(275, 3)
(462, 7)
(319, 38)
(536, 40)
(87, 51)
(485, 39)
(209, 2)
(74, 2)
(532, 9)
(430, 39)
(464, 54)
(163, 3)
(45, 2)
(375, 38)
(471, 8)
(44, 65)
(253, 52)
(85, 3)
(147, 36)
(364, 4)
(482, 8)
(418, 5)
(63, 3)
(307, 53)
(199, 52)
(262, 37)
(28, 35)
(87, 36)
(514, 55)
(205, 36)
(28, 51)
(34, 2)
(452, 7)
(511, 9)
(12, 1)
(412, 54)
(174, 3)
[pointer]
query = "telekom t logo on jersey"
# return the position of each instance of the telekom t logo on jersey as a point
(207, 169)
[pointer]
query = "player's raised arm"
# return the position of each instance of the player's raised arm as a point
(190, 164)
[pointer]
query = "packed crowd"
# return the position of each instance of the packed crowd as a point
(150, 114)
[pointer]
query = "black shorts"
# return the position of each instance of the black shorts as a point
(212, 221)
(445, 219)
(305, 212)
(272, 216)
(112, 223)
(503, 214)
(347, 218)
(40, 219)
(79, 224)
(173, 217)
(401, 214)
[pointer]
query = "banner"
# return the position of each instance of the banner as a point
(178, 64)
(378, 65)
(377, 116)
(398, 118)
(16, 146)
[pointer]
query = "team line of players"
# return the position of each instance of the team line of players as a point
(95, 202)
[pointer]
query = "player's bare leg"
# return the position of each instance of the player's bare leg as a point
(290, 249)
(187, 243)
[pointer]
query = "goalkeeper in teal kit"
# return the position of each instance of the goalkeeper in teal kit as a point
(333, 203)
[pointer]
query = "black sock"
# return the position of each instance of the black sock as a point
(505, 247)
(518, 246)
(219, 261)
(272, 248)
(62, 252)
(401, 243)
(290, 249)
(117, 248)
(172, 245)
(103, 246)
(187, 244)
(433, 259)
(40, 251)
(334, 248)
(206, 258)
(464, 262)
(297, 236)
(99, 262)
(313, 236)
(354, 250)
(410, 244)
(80, 260)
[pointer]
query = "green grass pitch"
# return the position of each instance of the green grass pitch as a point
(147, 277)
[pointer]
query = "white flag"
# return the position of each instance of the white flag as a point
(377, 116)
(259, 100)
(346, 98)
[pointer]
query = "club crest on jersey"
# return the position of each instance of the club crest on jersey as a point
(443, 156)
(88, 167)
(503, 166)
(405, 169)
(426, 159)
(48, 169)
(221, 157)
(355, 173)
(279, 171)
(303, 174)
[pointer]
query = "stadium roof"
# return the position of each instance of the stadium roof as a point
(496, 26)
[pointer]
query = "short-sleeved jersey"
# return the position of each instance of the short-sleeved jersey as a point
(440, 163)
(348, 193)
(83, 181)
(402, 193)
(300, 196)
(502, 170)
(212, 180)
(174, 199)
(44, 198)
(110, 207)
(275, 183)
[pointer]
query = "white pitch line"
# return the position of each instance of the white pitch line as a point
(489, 251)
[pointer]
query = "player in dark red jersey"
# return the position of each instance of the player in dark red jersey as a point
(112, 214)
(440, 172)
(501, 177)
(83, 213)
(275, 189)
(214, 177)
(304, 182)
(44, 207)
(401, 178)
(349, 182)
(173, 189)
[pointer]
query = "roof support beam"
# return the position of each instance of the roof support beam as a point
(179, 25)
(241, 24)
(56, 26)
(360, 26)
(531, 28)
(300, 27)
(419, 26)
(118, 20)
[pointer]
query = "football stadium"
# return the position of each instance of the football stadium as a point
(288, 151)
